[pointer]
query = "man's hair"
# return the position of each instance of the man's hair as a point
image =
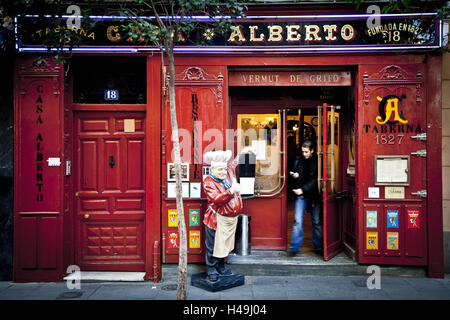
(308, 144)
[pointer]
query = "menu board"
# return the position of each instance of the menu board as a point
(392, 170)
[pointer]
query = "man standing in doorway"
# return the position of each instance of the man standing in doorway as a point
(308, 197)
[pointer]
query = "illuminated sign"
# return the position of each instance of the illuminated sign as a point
(255, 33)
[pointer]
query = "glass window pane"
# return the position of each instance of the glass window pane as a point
(109, 80)
(262, 132)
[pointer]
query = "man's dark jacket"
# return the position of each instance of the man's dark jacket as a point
(307, 180)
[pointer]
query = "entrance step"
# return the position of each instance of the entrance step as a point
(277, 263)
(94, 276)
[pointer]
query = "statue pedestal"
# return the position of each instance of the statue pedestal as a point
(200, 280)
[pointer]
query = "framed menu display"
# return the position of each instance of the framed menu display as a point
(391, 170)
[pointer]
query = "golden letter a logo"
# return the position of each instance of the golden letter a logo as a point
(390, 103)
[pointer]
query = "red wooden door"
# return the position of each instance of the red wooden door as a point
(332, 235)
(268, 209)
(392, 178)
(109, 190)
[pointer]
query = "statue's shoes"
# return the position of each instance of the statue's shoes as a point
(224, 271)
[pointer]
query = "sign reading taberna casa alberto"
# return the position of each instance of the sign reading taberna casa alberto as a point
(349, 32)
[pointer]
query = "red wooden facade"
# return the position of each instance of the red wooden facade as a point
(39, 209)
(94, 218)
(92, 180)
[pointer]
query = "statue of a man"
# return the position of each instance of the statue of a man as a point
(223, 209)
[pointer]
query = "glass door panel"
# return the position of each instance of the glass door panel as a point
(262, 133)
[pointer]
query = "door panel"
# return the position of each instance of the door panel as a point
(111, 155)
(135, 156)
(266, 125)
(110, 191)
(332, 235)
(392, 122)
(89, 160)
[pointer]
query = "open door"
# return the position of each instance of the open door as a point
(328, 153)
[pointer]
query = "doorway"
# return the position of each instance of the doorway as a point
(298, 112)
(108, 178)
(301, 125)
(109, 171)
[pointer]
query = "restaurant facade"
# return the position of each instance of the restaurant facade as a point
(94, 179)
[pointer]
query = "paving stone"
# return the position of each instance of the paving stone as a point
(203, 296)
(371, 295)
(403, 296)
(86, 290)
(239, 293)
(271, 293)
(195, 293)
(436, 295)
(302, 284)
(166, 295)
(335, 294)
(401, 292)
(129, 291)
(427, 284)
(301, 294)
(5, 284)
(25, 291)
(244, 296)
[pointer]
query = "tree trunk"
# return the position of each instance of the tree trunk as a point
(182, 262)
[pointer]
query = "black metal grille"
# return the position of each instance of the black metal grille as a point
(94, 75)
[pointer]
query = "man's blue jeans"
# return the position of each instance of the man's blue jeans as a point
(301, 204)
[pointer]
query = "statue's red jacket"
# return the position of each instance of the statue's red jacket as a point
(220, 200)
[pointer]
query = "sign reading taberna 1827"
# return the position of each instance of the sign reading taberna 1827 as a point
(326, 32)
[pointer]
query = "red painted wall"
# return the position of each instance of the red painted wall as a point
(38, 186)
(201, 97)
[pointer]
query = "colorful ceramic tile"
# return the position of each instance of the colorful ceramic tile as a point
(371, 218)
(372, 240)
(392, 241)
(194, 217)
(194, 239)
(392, 218)
(173, 240)
(413, 219)
(172, 218)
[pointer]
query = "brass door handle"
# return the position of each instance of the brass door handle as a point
(86, 216)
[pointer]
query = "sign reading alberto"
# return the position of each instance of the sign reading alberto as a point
(292, 31)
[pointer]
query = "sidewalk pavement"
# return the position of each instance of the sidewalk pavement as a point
(255, 288)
